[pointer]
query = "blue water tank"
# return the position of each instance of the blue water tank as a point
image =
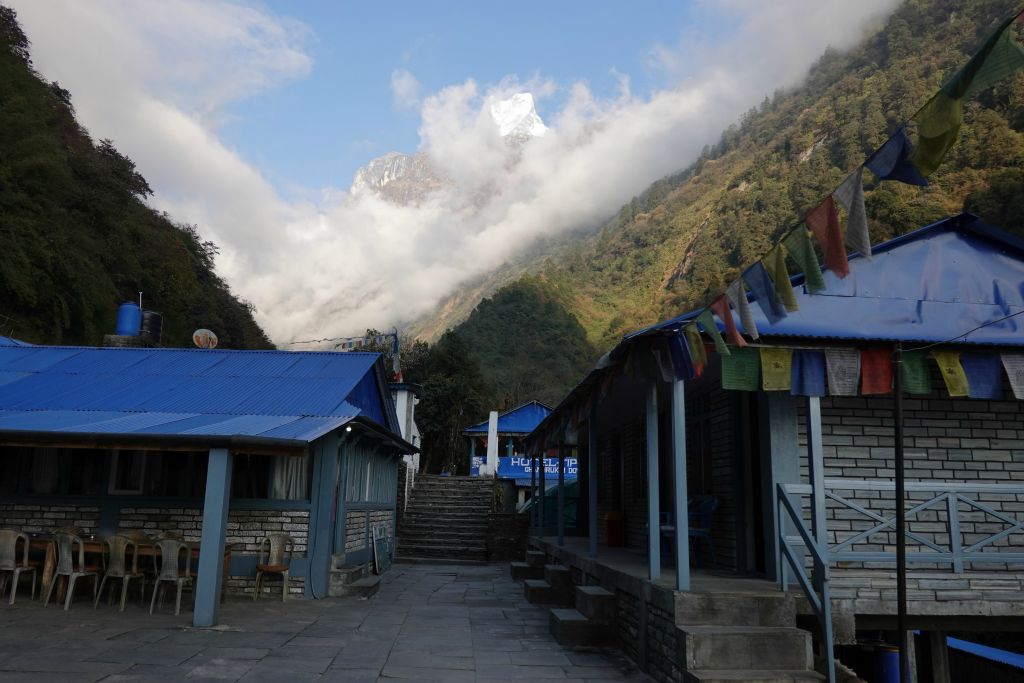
(129, 319)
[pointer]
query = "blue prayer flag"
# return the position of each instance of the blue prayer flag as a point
(760, 283)
(891, 161)
(682, 364)
(808, 373)
(984, 375)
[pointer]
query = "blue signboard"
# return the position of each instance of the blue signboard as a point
(519, 467)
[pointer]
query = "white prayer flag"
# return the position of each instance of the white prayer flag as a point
(737, 296)
(851, 195)
(1013, 363)
(843, 370)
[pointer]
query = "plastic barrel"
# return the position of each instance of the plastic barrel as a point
(152, 326)
(129, 319)
(885, 664)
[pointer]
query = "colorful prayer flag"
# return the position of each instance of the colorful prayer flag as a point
(798, 244)
(875, 371)
(851, 195)
(984, 375)
(952, 372)
(761, 286)
(808, 373)
(641, 364)
(737, 295)
(682, 364)
(1013, 363)
(915, 373)
(938, 125)
(740, 369)
(776, 368)
(721, 308)
(843, 367)
(707, 321)
(696, 347)
(891, 161)
(659, 347)
(775, 264)
(823, 221)
(940, 119)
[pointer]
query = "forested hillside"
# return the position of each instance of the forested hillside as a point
(687, 236)
(76, 237)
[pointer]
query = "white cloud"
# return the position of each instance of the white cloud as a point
(156, 77)
(405, 89)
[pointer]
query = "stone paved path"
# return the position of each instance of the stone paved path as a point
(427, 623)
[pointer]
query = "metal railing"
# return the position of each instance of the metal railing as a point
(952, 498)
(815, 587)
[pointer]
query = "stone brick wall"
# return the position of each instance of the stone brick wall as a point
(506, 536)
(947, 440)
(245, 529)
(35, 518)
(355, 530)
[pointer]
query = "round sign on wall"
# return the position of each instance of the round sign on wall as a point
(204, 339)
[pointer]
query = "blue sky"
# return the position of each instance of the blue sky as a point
(316, 131)
(247, 117)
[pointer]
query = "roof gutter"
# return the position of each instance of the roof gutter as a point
(166, 442)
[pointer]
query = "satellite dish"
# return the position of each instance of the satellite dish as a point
(204, 339)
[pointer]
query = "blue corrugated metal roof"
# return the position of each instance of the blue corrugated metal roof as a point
(520, 420)
(995, 654)
(186, 392)
(11, 341)
(929, 285)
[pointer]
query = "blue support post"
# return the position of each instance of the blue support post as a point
(472, 452)
(533, 491)
(510, 447)
(653, 502)
(816, 474)
(324, 454)
(211, 546)
(680, 486)
(561, 495)
(592, 480)
(540, 522)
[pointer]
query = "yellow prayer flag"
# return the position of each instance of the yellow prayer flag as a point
(952, 372)
(696, 344)
(776, 368)
(775, 264)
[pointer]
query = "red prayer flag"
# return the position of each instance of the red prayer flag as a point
(875, 371)
(823, 221)
(720, 307)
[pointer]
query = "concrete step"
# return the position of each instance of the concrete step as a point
(414, 513)
(540, 592)
(735, 609)
(362, 588)
(596, 604)
(424, 532)
(572, 629)
(341, 577)
(751, 676)
(418, 550)
(559, 577)
(521, 571)
(412, 559)
(536, 558)
(743, 647)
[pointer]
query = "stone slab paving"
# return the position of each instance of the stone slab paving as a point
(427, 623)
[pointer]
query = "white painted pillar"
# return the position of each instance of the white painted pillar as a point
(680, 485)
(491, 465)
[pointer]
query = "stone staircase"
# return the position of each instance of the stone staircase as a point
(741, 637)
(721, 636)
(445, 521)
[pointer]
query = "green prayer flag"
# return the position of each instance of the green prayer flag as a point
(798, 244)
(741, 369)
(707, 321)
(997, 59)
(776, 368)
(775, 264)
(696, 344)
(915, 373)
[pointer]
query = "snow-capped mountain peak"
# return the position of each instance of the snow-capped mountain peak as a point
(517, 117)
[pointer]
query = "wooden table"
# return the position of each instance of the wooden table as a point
(97, 546)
